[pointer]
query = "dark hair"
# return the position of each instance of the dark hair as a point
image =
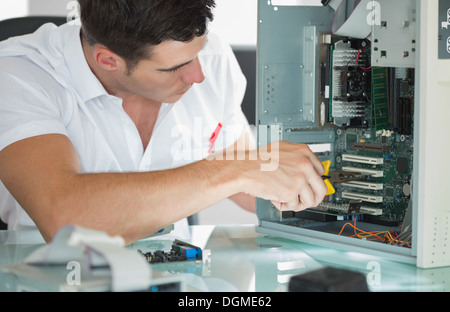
(130, 28)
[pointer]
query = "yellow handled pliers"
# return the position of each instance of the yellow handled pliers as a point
(338, 177)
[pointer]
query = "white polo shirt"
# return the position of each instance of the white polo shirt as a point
(47, 87)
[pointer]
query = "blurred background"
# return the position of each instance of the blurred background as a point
(235, 21)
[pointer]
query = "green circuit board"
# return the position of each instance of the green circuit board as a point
(393, 154)
(321, 89)
(371, 113)
(371, 109)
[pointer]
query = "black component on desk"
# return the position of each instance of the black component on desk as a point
(329, 280)
(161, 256)
(180, 252)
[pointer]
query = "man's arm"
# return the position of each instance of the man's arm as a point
(246, 142)
(245, 201)
(43, 174)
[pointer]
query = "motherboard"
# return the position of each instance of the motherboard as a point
(370, 110)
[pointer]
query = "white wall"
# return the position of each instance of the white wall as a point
(48, 7)
(15, 8)
(236, 21)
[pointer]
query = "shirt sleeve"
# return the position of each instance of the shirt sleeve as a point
(27, 109)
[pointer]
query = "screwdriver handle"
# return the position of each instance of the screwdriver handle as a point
(331, 190)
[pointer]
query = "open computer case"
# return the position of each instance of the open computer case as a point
(367, 85)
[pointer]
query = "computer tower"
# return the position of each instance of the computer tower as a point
(366, 84)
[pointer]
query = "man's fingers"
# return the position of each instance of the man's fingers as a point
(300, 185)
(309, 196)
(317, 164)
(319, 188)
(306, 198)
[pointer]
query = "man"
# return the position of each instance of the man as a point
(107, 126)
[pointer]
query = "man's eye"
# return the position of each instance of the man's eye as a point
(173, 70)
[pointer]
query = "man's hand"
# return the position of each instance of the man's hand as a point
(289, 175)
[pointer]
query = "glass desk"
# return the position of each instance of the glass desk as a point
(237, 259)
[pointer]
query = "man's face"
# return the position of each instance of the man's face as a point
(170, 72)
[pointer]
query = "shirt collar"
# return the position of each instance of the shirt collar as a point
(83, 79)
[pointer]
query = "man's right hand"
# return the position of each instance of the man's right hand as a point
(287, 174)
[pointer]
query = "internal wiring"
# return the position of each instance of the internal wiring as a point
(358, 55)
(388, 237)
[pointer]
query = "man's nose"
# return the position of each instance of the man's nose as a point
(193, 73)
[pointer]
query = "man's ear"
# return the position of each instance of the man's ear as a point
(107, 59)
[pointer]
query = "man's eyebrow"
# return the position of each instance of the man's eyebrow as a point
(175, 67)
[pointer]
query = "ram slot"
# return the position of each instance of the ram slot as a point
(363, 197)
(362, 159)
(364, 185)
(372, 173)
